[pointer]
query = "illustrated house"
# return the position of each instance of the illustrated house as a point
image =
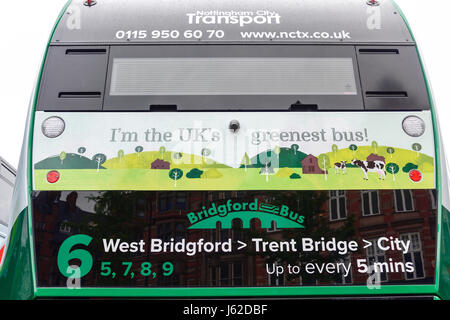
(310, 165)
(159, 164)
(375, 157)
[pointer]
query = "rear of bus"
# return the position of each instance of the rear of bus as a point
(231, 150)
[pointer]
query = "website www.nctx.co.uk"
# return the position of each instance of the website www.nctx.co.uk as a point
(294, 35)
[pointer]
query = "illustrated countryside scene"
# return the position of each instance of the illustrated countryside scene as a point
(280, 168)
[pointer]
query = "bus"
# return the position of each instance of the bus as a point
(228, 149)
(7, 178)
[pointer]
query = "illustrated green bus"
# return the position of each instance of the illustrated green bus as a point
(225, 149)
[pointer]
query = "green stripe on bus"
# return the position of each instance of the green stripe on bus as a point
(16, 276)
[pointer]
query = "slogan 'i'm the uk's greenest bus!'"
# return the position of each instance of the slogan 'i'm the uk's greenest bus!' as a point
(230, 149)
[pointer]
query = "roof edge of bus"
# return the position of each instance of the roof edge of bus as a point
(240, 22)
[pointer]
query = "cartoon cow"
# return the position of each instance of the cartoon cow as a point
(371, 166)
(340, 166)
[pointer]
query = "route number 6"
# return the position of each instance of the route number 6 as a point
(66, 254)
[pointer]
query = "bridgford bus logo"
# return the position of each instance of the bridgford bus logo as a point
(241, 18)
(283, 216)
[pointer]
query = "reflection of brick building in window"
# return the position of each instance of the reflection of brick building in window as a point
(376, 215)
(54, 220)
(413, 219)
(405, 214)
(338, 205)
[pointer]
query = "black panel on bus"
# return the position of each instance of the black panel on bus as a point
(385, 78)
(74, 79)
(392, 78)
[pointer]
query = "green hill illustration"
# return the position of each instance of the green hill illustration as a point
(284, 157)
(212, 173)
(67, 161)
(145, 159)
(279, 168)
(285, 173)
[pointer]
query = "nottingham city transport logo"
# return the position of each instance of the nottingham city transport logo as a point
(283, 216)
(241, 18)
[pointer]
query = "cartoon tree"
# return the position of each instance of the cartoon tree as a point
(267, 170)
(177, 155)
(139, 149)
(393, 169)
(81, 150)
(277, 150)
(245, 161)
(100, 158)
(335, 149)
(375, 146)
(409, 166)
(390, 151)
(120, 155)
(62, 156)
(194, 174)
(417, 147)
(176, 174)
(205, 154)
(295, 148)
(353, 148)
(324, 163)
(162, 150)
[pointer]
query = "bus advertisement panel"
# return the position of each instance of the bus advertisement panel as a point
(175, 200)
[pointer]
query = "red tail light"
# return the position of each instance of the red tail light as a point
(415, 175)
(53, 176)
